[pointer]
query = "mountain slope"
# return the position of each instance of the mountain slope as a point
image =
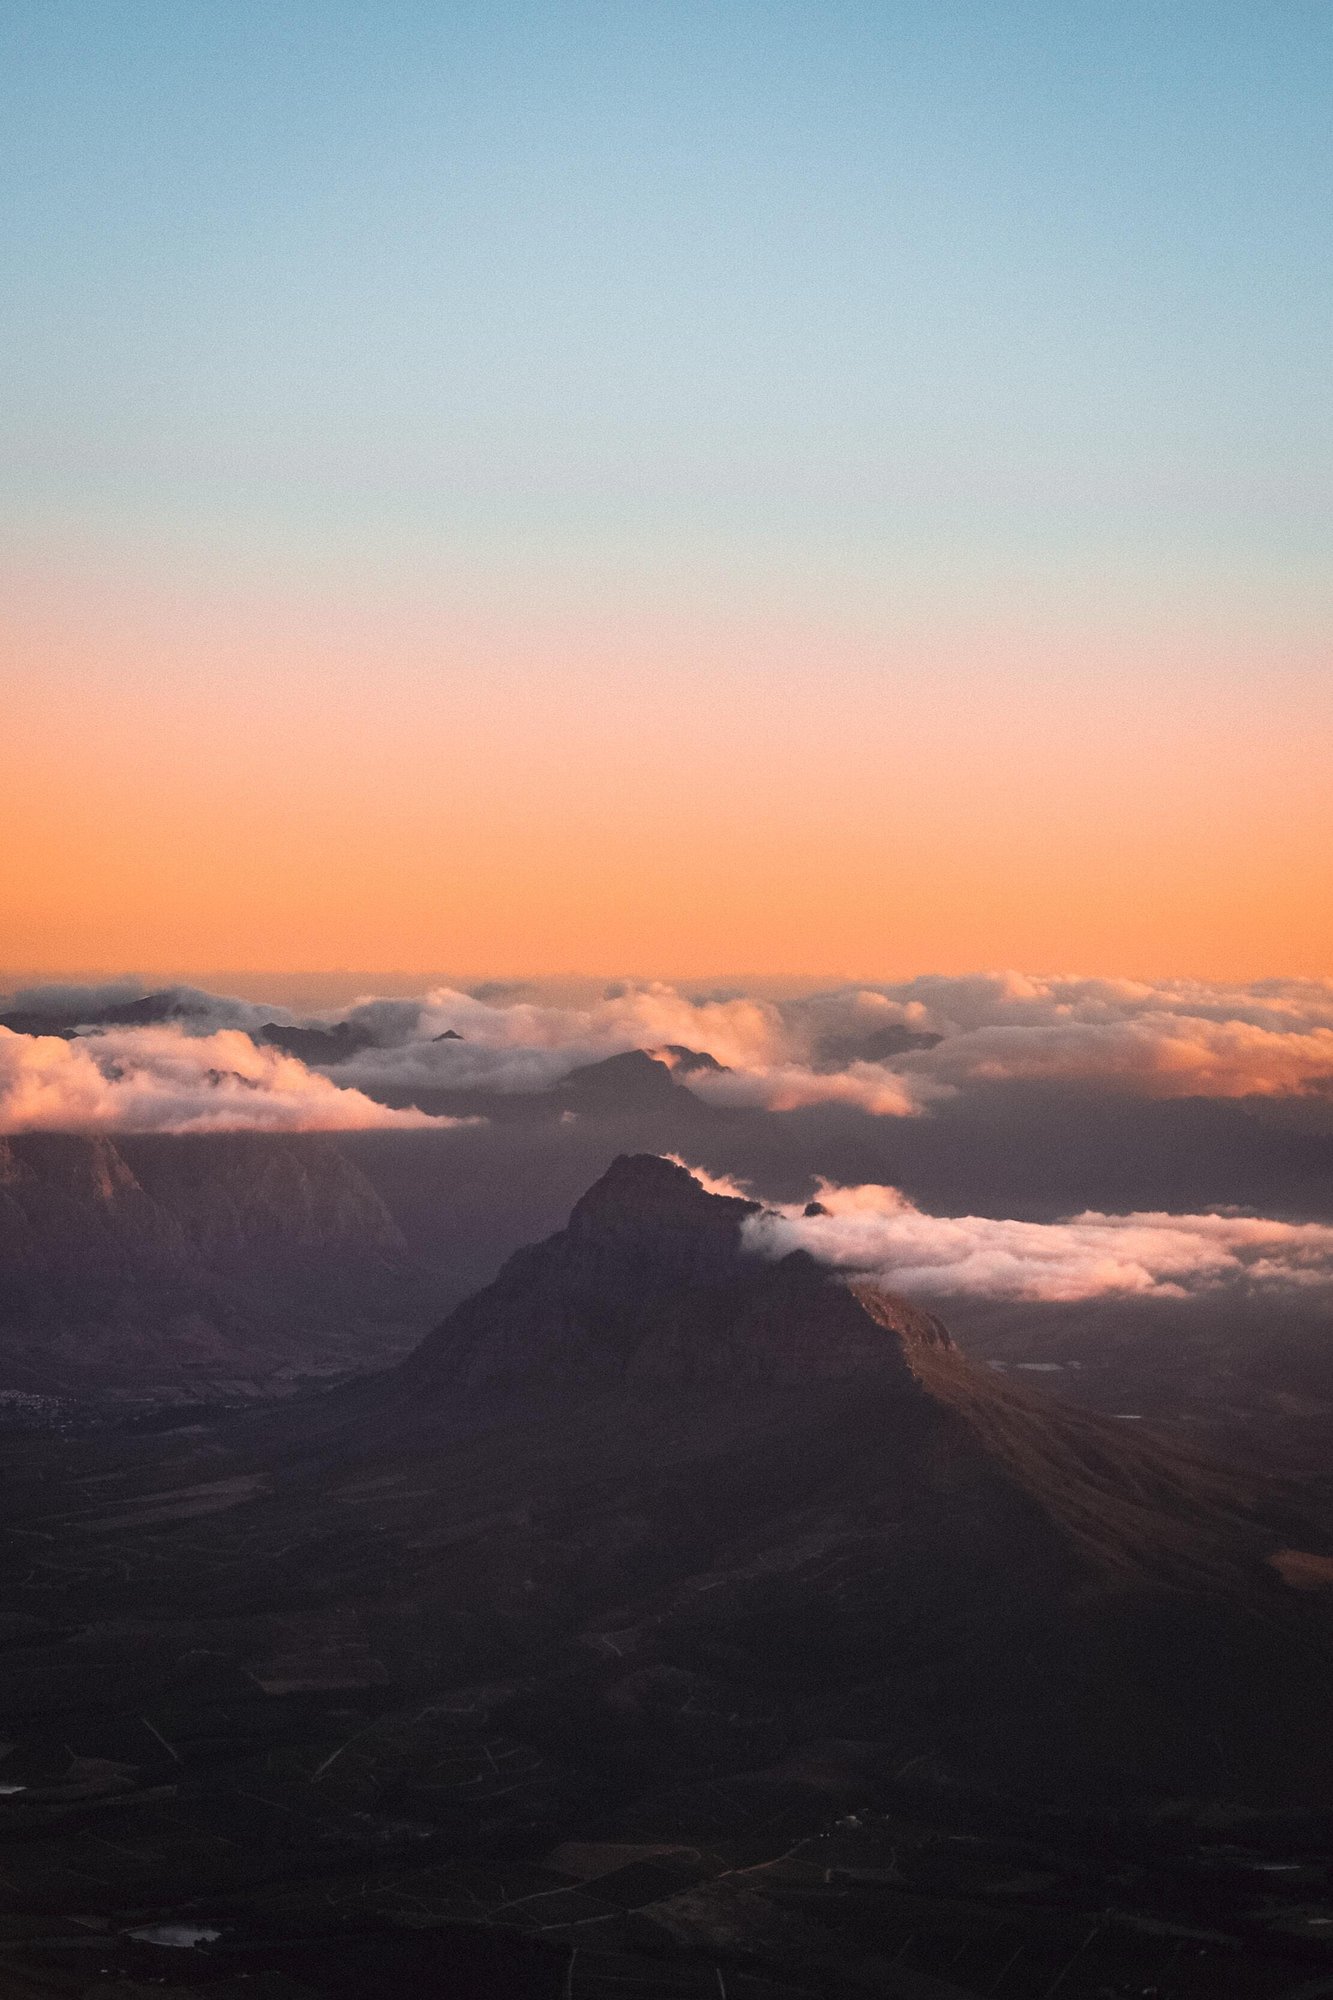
(665, 1601)
(763, 1469)
(144, 1263)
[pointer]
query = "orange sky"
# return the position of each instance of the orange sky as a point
(834, 492)
(191, 782)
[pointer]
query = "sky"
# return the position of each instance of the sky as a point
(833, 490)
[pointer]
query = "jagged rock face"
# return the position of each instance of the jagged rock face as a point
(145, 1259)
(796, 1493)
(654, 1209)
(241, 1190)
(64, 1194)
(71, 1206)
(651, 1283)
(650, 1296)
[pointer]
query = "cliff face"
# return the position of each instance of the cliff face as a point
(141, 1263)
(64, 1195)
(245, 1193)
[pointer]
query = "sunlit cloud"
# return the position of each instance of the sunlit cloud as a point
(877, 1231)
(892, 1051)
(790, 1087)
(159, 1079)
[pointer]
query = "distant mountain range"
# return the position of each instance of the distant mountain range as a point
(338, 1042)
(636, 1084)
(147, 1011)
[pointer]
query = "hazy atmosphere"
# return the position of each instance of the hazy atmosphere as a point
(666, 1000)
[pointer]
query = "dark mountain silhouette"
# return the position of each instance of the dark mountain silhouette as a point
(32, 1021)
(156, 1262)
(833, 1052)
(314, 1045)
(690, 1062)
(648, 1284)
(893, 1525)
(634, 1085)
(672, 1621)
(325, 1046)
(147, 1011)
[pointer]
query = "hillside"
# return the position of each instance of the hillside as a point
(143, 1265)
(670, 1622)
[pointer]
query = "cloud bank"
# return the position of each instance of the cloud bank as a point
(891, 1050)
(159, 1079)
(876, 1231)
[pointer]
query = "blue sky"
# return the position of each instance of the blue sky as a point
(436, 427)
(1048, 282)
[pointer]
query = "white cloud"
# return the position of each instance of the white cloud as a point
(852, 1046)
(876, 1230)
(789, 1086)
(1166, 1040)
(161, 1079)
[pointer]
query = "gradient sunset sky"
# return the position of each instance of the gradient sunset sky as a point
(832, 489)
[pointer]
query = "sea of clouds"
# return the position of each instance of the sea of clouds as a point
(893, 1050)
(1164, 1040)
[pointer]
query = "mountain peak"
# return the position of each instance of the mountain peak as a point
(652, 1282)
(632, 1080)
(689, 1062)
(645, 1188)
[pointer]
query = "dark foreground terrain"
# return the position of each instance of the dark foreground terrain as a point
(669, 1623)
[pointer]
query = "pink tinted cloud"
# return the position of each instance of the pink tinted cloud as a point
(876, 1230)
(1144, 1055)
(858, 1045)
(160, 1079)
(791, 1086)
(1168, 1039)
